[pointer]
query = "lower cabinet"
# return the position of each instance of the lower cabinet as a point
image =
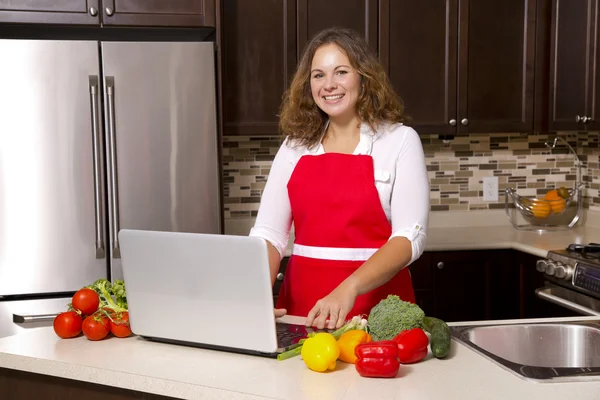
(475, 285)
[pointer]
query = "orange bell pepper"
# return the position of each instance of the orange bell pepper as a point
(348, 342)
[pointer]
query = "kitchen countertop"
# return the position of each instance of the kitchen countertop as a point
(480, 230)
(193, 373)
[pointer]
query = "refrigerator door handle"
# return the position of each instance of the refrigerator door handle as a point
(93, 84)
(25, 319)
(114, 207)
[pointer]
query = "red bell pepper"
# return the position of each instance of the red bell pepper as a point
(412, 345)
(377, 359)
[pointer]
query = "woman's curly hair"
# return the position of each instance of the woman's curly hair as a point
(302, 121)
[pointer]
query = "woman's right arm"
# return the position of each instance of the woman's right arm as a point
(274, 218)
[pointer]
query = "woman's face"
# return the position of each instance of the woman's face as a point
(334, 84)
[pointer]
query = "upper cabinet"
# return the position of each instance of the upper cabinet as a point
(461, 66)
(172, 13)
(258, 55)
(76, 12)
(574, 67)
(161, 13)
(262, 41)
(316, 15)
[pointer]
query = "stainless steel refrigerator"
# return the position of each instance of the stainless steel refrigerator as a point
(95, 137)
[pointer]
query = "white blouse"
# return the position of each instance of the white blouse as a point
(400, 177)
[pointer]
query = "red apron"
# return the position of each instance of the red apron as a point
(339, 223)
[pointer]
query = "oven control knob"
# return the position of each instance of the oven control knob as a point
(550, 268)
(560, 271)
(541, 265)
(564, 272)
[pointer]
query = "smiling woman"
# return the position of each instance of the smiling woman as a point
(351, 177)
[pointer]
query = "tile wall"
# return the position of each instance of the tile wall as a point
(456, 169)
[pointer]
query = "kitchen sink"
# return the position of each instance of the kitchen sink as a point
(550, 352)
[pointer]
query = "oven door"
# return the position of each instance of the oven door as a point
(571, 299)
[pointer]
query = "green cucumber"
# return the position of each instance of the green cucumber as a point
(440, 336)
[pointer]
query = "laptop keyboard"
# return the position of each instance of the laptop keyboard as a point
(289, 334)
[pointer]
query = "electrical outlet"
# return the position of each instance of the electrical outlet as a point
(490, 188)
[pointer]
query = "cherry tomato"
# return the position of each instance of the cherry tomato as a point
(95, 327)
(86, 300)
(120, 326)
(67, 324)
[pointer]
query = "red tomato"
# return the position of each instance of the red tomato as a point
(86, 300)
(120, 326)
(67, 324)
(95, 327)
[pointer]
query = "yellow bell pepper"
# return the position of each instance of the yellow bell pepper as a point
(320, 352)
(348, 342)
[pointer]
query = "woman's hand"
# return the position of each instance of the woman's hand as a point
(279, 312)
(334, 307)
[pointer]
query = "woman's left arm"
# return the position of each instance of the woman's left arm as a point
(410, 217)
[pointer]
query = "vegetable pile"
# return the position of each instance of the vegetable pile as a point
(394, 333)
(96, 310)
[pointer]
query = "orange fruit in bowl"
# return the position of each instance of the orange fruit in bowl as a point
(541, 208)
(557, 202)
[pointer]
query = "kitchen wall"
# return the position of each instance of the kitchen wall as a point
(456, 169)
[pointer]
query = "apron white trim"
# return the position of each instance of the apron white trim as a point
(333, 253)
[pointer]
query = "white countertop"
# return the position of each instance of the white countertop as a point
(480, 230)
(193, 373)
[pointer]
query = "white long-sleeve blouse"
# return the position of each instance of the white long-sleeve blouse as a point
(400, 178)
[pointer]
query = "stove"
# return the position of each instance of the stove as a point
(574, 277)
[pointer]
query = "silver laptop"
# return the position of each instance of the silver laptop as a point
(204, 290)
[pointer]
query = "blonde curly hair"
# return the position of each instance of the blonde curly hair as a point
(302, 121)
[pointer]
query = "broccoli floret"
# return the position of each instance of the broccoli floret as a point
(392, 316)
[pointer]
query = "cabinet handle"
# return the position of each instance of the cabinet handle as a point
(452, 122)
(440, 265)
(586, 120)
(93, 11)
(280, 276)
(578, 119)
(465, 122)
(108, 11)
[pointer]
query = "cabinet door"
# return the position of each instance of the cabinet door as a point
(418, 49)
(259, 58)
(592, 121)
(569, 60)
(460, 285)
(496, 66)
(76, 12)
(316, 15)
(159, 12)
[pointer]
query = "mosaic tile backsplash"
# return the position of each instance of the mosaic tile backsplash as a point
(456, 169)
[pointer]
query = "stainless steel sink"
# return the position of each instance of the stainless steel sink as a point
(566, 351)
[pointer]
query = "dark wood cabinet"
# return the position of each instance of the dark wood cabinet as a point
(418, 48)
(153, 13)
(462, 66)
(148, 13)
(574, 65)
(259, 56)
(262, 41)
(73, 12)
(316, 15)
(459, 282)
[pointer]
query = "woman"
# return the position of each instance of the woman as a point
(352, 178)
